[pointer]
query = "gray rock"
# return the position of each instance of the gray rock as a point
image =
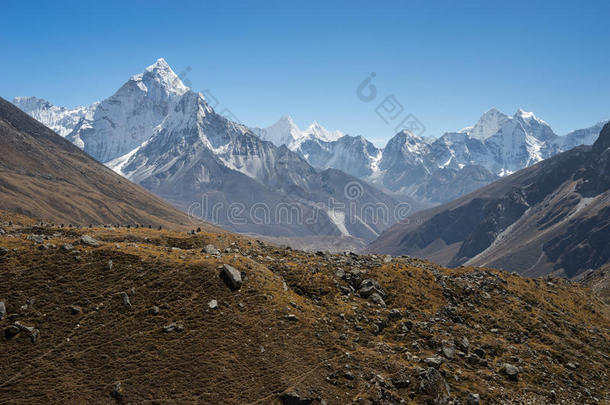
(36, 238)
(473, 399)
(109, 265)
(511, 371)
(448, 352)
(231, 276)
(434, 385)
(463, 344)
(30, 330)
(75, 309)
(67, 247)
(211, 250)
(3, 251)
(292, 317)
(435, 361)
(126, 301)
(2, 310)
(89, 241)
(395, 313)
(571, 366)
(173, 327)
(370, 286)
(376, 298)
(213, 304)
(155, 310)
(292, 398)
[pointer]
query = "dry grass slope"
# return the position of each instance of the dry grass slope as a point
(340, 348)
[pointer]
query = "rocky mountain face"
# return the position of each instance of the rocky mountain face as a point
(553, 217)
(438, 171)
(126, 316)
(208, 165)
(160, 134)
(44, 176)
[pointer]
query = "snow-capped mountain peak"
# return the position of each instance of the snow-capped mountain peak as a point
(163, 76)
(283, 132)
(286, 132)
(318, 131)
(488, 124)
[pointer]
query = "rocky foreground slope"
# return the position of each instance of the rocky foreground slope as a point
(126, 315)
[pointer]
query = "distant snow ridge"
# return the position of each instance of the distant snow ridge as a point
(60, 119)
(497, 145)
(286, 132)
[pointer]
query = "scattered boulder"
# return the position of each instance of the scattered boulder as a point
(126, 301)
(231, 276)
(36, 238)
(3, 251)
(109, 265)
(369, 287)
(473, 399)
(448, 351)
(173, 327)
(117, 391)
(89, 241)
(292, 398)
(30, 330)
(434, 385)
(67, 247)
(2, 310)
(155, 310)
(75, 309)
(395, 313)
(376, 298)
(292, 317)
(435, 361)
(213, 304)
(463, 344)
(511, 371)
(211, 250)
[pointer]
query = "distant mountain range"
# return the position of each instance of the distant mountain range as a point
(440, 170)
(552, 217)
(164, 136)
(159, 133)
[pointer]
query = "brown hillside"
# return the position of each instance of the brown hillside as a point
(298, 331)
(44, 176)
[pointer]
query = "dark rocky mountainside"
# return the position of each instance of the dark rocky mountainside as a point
(44, 176)
(118, 315)
(553, 217)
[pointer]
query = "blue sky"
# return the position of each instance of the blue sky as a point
(445, 62)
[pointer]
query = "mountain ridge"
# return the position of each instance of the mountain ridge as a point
(552, 217)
